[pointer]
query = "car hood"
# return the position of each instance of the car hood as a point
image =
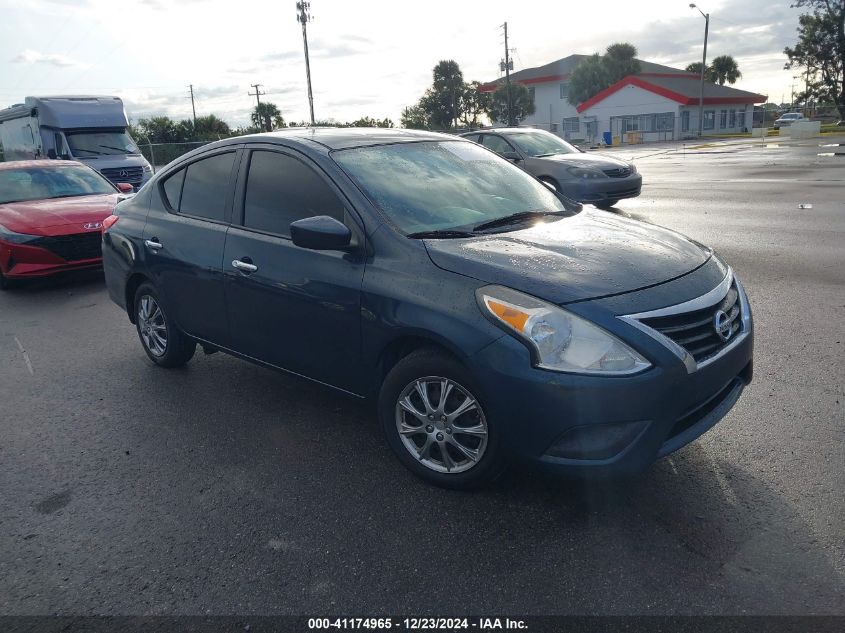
(597, 161)
(37, 217)
(586, 256)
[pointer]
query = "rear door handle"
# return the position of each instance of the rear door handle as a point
(154, 244)
(243, 266)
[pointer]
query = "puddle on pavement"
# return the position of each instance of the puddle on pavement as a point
(769, 145)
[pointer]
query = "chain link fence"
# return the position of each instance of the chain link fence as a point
(160, 154)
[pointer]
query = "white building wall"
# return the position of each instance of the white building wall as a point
(632, 101)
(742, 119)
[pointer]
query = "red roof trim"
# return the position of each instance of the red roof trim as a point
(490, 87)
(663, 92)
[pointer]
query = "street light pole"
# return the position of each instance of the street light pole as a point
(706, 17)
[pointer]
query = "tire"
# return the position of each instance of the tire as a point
(165, 344)
(473, 455)
(607, 204)
(6, 283)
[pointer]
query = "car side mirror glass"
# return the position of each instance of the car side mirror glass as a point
(512, 156)
(321, 233)
(51, 154)
(124, 187)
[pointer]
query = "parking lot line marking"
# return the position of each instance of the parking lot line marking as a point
(25, 357)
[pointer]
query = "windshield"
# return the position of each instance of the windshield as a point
(540, 143)
(37, 183)
(433, 186)
(100, 143)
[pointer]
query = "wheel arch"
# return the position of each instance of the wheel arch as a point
(406, 344)
(132, 284)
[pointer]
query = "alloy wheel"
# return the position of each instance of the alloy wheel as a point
(152, 325)
(441, 424)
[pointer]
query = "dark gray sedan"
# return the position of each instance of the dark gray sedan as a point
(593, 178)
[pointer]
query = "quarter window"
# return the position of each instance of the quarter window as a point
(173, 189)
(206, 186)
(281, 189)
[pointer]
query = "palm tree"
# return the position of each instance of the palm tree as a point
(725, 68)
(267, 116)
(695, 68)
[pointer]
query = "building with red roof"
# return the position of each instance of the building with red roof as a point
(659, 103)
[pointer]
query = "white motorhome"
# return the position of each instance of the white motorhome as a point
(91, 130)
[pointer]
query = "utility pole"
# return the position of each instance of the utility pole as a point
(193, 106)
(706, 17)
(303, 17)
(257, 94)
(508, 77)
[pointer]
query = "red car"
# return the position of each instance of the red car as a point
(51, 217)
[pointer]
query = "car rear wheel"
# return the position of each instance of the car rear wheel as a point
(163, 342)
(607, 204)
(436, 424)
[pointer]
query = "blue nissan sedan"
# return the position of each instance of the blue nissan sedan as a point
(490, 318)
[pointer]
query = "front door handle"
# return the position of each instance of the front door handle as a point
(243, 266)
(154, 244)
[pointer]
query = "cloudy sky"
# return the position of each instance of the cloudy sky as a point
(367, 57)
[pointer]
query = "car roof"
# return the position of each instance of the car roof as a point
(42, 164)
(504, 130)
(344, 138)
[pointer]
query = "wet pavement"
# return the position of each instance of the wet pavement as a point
(227, 488)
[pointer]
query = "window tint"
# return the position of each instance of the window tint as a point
(206, 187)
(496, 143)
(281, 189)
(173, 188)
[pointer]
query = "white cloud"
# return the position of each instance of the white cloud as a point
(35, 57)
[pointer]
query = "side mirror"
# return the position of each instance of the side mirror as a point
(124, 187)
(321, 233)
(51, 154)
(512, 156)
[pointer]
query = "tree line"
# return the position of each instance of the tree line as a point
(265, 117)
(450, 102)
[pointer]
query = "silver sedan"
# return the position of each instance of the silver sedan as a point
(593, 178)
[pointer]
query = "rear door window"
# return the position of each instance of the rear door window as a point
(206, 187)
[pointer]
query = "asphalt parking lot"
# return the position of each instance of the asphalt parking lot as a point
(225, 488)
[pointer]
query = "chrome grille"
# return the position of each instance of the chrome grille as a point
(134, 175)
(696, 331)
(618, 172)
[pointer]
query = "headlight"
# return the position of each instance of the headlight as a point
(633, 168)
(582, 172)
(558, 340)
(15, 238)
(148, 168)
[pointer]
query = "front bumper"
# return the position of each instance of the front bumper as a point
(619, 425)
(604, 189)
(24, 261)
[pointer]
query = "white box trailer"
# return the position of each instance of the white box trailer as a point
(91, 130)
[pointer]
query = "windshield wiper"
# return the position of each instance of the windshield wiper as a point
(440, 233)
(91, 151)
(119, 149)
(515, 218)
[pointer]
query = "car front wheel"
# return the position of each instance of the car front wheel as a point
(163, 342)
(436, 424)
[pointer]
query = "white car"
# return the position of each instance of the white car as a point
(788, 119)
